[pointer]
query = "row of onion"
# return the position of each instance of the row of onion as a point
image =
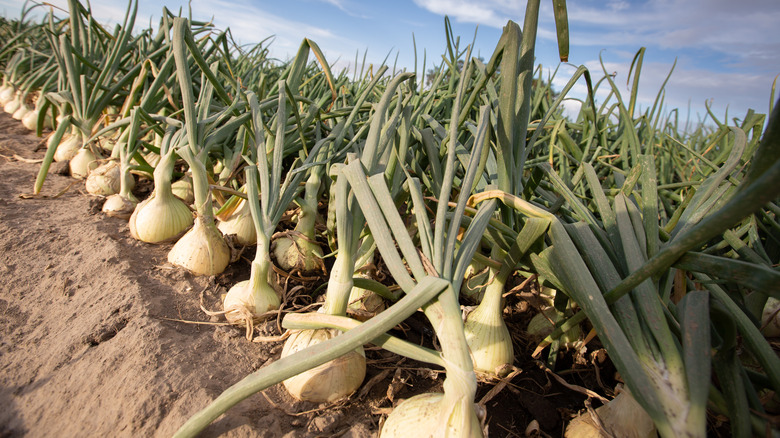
(459, 187)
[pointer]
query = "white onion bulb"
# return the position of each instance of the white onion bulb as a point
(119, 206)
(429, 415)
(159, 219)
(82, 163)
(106, 179)
(621, 417)
(241, 225)
(202, 250)
(68, 147)
(330, 381)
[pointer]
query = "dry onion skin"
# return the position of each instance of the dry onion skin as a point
(105, 180)
(119, 206)
(297, 253)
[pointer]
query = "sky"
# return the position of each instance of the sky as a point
(727, 52)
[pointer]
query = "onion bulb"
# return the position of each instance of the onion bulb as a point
(474, 280)
(7, 93)
(30, 120)
(240, 302)
(182, 189)
(82, 163)
(365, 303)
(12, 105)
(119, 206)
(297, 253)
(543, 323)
(621, 417)
(160, 218)
(250, 299)
(68, 147)
(770, 318)
(20, 112)
(106, 179)
(240, 224)
(487, 335)
(202, 250)
(429, 415)
(330, 381)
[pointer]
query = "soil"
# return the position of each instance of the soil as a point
(100, 336)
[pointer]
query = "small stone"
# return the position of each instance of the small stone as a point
(359, 430)
(325, 422)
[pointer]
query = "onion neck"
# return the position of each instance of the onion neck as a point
(201, 191)
(258, 279)
(492, 299)
(162, 176)
(460, 385)
(340, 284)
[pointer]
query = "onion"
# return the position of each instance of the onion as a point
(330, 381)
(68, 147)
(12, 105)
(541, 326)
(159, 219)
(248, 300)
(770, 318)
(162, 216)
(30, 120)
(489, 339)
(486, 333)
(365, 303)
(82, 163)
(105, 180)
(622, 417)
(297, 253)
(431, 415)
(182, 189)
(119, 206)
(20, 112)
(7, 93)
(202, 250)
(240, 224)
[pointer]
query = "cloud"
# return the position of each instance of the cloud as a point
(732, 92)
(350, 10)
(738, 30)
(249, 24)
(490, 13)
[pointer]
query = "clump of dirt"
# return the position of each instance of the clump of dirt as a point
(101, 337)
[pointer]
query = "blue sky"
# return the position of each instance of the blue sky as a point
(728, 52)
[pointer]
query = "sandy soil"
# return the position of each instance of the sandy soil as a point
(98, 335)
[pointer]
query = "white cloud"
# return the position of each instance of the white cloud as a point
(742, 29)
(728, 50)
(490, 13)
(249, 24)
